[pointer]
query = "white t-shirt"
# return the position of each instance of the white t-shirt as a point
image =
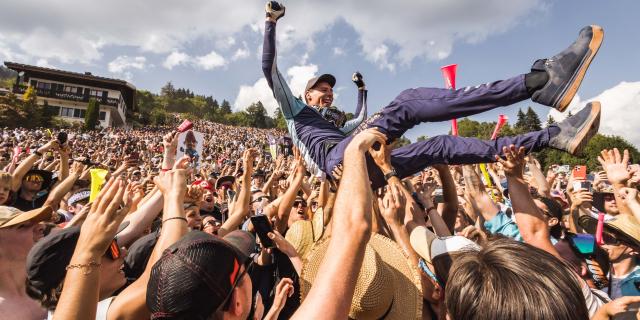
(101, 312)
(592, 301)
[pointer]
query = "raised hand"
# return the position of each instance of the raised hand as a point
(104, 217)
(358, 79)
(514, 164)
(392, 205)
(274, 10)
(282, 244)
(615, 165)
(367, 138)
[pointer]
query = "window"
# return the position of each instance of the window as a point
(44, 85)
(66, 112)
(96, 93)
(78, 113)
(102, 116)
(70, 89)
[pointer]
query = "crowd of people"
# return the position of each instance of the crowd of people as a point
(338, 223)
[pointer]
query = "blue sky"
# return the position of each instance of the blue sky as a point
(212, 47)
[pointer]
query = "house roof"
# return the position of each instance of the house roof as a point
(127, 89)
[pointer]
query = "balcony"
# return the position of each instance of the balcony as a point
(48, 93)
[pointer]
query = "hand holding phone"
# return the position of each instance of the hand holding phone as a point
(262, 226)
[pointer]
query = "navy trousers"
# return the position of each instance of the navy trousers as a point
(414, 106)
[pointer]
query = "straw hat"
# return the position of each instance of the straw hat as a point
(300, 235)
(623, 225)
(317, 223)
(388, 286)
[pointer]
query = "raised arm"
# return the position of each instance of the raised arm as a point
(361, 108)
(131, 303)
(529, 218)
(289, 104)
(27, 164)
(330, 299)
(241, 206)
(450, 195)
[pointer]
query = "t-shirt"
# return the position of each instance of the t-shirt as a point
(616, 284)
(101, 312)
(27, 205)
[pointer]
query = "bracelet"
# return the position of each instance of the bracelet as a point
(86, 268)
(180, 218)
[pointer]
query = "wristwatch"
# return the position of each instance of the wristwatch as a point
(390, 174)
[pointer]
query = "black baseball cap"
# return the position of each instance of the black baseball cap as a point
(49, 257)
(138, 255)
(330, 79)
(194, 277)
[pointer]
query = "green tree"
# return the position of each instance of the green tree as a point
(422, 138)
(91, 115)
(225, 108)
(280, 122)
(550, 120)
(532, 120)
(590, 154)
(168, 90)
(403, 141)
(521, 123)
(257, 115)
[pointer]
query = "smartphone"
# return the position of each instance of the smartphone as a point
(580, 173)
(563, 169)
(262, 226)
(582, 185)
(62, 137)
(437, 196)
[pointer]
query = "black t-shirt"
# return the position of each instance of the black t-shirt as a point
(27, 205)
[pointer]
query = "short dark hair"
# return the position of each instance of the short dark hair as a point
(508, 279)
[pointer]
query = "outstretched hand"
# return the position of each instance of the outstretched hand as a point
(615, 165)
(105, 215)
(515, 161)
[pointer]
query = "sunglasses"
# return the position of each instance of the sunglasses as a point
(297, 203)
(610, 239)
(258, 199)
(584, 243)
(114, 250)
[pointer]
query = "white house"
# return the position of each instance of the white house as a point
(69, 92)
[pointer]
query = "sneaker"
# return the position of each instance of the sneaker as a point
(566, 69)
(274, 10)
(577, 130)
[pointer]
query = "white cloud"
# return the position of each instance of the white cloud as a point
(176, 58)
(124, 63)
(210, 61)
(44, 63)
(69, 32)
(619, 110)
(337, 51)
(241, 53)
(225, 43)
(260, 91)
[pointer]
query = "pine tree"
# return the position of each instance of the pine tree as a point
(532, 121)
(225, 107)
(168, 90)
(550, 120)
(91, 115)
(521, 124)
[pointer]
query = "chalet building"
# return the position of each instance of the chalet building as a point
(69, 92)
